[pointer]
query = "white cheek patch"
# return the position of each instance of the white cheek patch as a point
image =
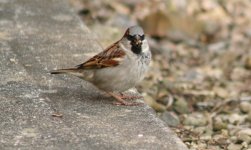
(145, 46)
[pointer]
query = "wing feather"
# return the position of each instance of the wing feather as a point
(110, 57)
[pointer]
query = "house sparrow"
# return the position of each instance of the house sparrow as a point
(119, 67)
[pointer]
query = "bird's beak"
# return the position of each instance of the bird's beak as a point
(138, 40)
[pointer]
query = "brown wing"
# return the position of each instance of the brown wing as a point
(107, 58)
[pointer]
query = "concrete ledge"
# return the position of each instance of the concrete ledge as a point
(37, 36)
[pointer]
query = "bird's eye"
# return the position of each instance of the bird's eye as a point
(142, 37)
(130, 37)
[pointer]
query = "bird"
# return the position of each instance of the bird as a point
(119, 67)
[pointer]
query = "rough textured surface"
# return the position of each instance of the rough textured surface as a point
(37, 36)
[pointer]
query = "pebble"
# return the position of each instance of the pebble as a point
(193, 76)
(233, 146)
(221, 92)
(245, 107)
(217, 47)
(248, 32)
(248, 62)
(249, 117)
(238, 74)
(195, 119)
(233, 139)
(162, 93)
(181, 106)
(218, 124)
(244, 135)
(207, 105)
(200, 130)
(164, 101)
(236, 119)
(152, 103)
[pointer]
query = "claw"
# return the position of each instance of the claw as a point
(120, 101)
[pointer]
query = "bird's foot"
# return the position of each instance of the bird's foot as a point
(121, 101)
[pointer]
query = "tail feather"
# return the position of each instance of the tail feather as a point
(71, 71)
(63, 71)
(86, 75)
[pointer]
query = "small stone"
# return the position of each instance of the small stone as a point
(170, 118)
(162, 93)
(232, 130)
(245, 107)
(205, 137)
(158, 107)
(238, 74)
(244, 135)
(236, 119)
(207, 105)
(233, 139)
(248, 62)
(217, 47)
(202, 145)
(244, 144)
(221, 92)
(248, 33)
(195, 119)
(193, 76)
(213, 147)
(221, 139)
(199, 130)
(181, 106)
(218, 124)
(249, 117)
(152, 103)
(233, 146)
(164, 101)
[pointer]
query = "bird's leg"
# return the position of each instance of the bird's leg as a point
(121, 101)
(123, 96)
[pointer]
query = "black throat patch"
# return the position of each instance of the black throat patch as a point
(136, 48)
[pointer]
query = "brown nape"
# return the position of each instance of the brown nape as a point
(126, 33)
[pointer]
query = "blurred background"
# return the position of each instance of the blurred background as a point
(200, 78)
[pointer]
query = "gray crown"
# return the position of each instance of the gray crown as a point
(136, 30)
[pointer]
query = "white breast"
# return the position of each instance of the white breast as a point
(121, 77)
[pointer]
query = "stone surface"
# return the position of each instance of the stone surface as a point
(37, 36)
(170, 119)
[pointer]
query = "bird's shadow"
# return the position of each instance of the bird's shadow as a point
(73, 98)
